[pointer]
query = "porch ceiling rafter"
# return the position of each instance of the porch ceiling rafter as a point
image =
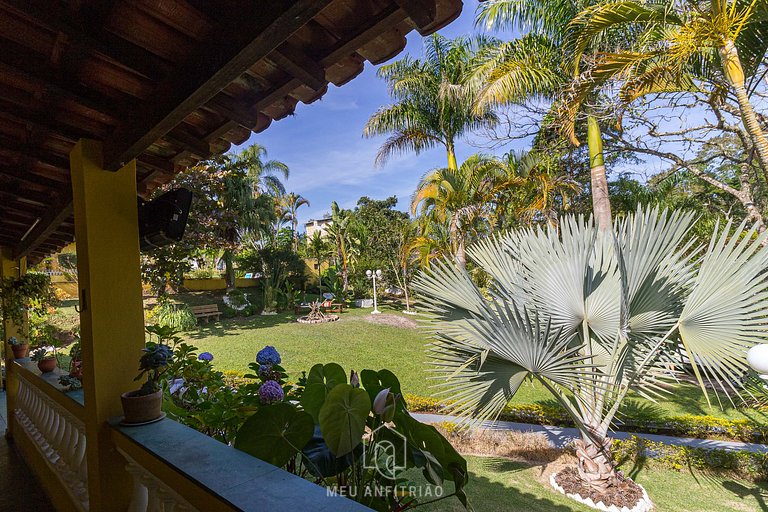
(166, 83)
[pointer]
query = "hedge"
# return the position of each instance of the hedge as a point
(641, 452)
(689, 425)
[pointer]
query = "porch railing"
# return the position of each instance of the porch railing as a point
(52, 423)
(174, 468)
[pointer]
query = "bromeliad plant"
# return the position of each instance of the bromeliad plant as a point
(594, 314)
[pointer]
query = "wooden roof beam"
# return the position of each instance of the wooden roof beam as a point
(214, 65)
(49, 222)
(56, 18)
(298, 65)
(422, 12)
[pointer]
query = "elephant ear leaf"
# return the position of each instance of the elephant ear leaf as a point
(320, 381)
(374, 382)
(275, 433)
(342, 418)
(725, 313)
(431, 451)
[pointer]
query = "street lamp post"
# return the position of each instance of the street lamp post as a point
(373, 275)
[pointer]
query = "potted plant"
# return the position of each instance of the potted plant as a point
(144, 405)
(76, 361)
(20, 347)
(46, 359)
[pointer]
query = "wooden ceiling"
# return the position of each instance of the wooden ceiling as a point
(167, 82)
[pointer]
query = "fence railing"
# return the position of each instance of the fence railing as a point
(53, 423)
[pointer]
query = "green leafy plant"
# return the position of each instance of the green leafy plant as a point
(156, 358)
(70, 383)
(42, 353)
(171, 314)
(324, 436)
(594, 314)
(16, 342)
(31, 292)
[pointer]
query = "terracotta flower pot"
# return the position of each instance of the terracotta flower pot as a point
(47, 365)
(141, 408)
(20, 351)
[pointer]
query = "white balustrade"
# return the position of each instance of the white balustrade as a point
(58, 435)
(150, 494)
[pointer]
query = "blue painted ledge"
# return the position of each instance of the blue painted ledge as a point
(244, 481)
(52, 378)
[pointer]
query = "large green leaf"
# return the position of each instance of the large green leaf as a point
(374, 382)
(320, 381)
(342, 418)
(431, 451)
(275, 433)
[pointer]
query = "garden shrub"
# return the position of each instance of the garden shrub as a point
(167, 313)
(203, 273)
(689, 425)
(636, 450)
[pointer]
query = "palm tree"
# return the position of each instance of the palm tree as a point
(593, 314)
(677, 47)
(341, 233)
(292, 202)
(318, 248)
(533, 188)
(533, 68)
(250, 186)
(434, 100)
(459, 198)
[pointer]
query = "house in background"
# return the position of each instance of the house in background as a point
(318, 226)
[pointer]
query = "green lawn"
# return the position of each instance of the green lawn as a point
(502, 484)
(357, 344)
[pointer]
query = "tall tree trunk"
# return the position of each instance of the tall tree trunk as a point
(229, 270)
(405, 289)
(320, 274)
(734, 73)
(601, 203)
(452, 163)
(294, 226)
(596, 466)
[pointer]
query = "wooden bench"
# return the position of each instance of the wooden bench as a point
(333, 308)
(206, 312)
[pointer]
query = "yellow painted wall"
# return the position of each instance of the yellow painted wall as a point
(205, 285)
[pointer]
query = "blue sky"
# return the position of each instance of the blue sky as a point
(328, 157)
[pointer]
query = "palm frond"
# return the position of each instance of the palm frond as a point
(726, 311)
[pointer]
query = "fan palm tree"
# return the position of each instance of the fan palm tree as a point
(678, 46)
(292, 202)
(593, 314)
(459, 198)
(434, 100)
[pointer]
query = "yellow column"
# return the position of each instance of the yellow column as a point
(111, 310)
(14, 269)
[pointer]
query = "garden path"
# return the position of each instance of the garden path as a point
(561, 437)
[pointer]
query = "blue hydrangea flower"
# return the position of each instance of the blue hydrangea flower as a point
(265, 371)
(268, 355)
(205, 356)
(270, 392)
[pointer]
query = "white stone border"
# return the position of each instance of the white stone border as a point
(644, 505)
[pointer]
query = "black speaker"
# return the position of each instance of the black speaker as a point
(162, 221)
